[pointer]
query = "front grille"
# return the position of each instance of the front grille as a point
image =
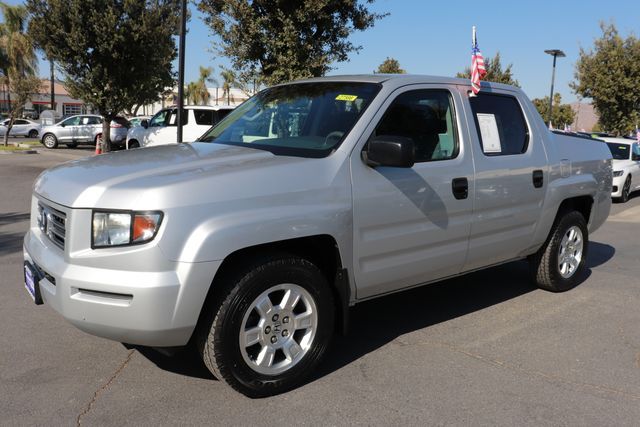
(53, 224)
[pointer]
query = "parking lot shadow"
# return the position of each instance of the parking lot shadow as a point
(377, 322)
(12, 217)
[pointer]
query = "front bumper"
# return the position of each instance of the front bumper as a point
(618, 183)
(157, 307)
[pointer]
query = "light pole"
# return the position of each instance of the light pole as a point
(555, 53)
(183, 34)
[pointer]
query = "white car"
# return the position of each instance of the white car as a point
(626, 167)
(21, 127)
(161, 129)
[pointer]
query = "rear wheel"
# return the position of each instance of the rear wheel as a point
(33, 133)
(270, 326)
(558, 264)
(50, 141)
(133, 144)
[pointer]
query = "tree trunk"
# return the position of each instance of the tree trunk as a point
(9, 126)
(106, 133)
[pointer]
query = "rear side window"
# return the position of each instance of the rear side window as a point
(221, 114)
(91, 121)
(427, 117)
(500, 123)
(204, 117)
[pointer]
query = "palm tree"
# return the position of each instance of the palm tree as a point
(18, 61)
(228, 78)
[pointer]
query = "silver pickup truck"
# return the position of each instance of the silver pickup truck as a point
(313, 196)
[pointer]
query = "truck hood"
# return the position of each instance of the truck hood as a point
(151, 178)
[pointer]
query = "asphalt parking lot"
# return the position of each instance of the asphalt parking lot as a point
(483, 349)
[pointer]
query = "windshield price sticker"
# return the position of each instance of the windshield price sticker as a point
(350, 98)
(489, 132)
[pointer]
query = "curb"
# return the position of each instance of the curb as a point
(20, 152)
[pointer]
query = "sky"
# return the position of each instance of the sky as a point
(434, 37)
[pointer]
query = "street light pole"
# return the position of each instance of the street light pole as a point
(183, 33)
(555, 53)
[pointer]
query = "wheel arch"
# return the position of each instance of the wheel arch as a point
(321, 250)
(582, 204)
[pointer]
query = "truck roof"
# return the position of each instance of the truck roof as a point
(403, 79)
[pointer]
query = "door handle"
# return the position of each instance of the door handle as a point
(460, 188)
(538, 178)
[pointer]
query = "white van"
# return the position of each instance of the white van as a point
(162, 129)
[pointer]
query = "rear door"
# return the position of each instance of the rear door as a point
(200, 121)
(408, 226)
(511, 179)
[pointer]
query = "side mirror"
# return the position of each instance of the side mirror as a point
(389, 150)
(635, 157)
(62, 124)
(144, 123)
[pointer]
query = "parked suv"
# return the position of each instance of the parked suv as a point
(311, 197)
(83, 129)
(161, 129)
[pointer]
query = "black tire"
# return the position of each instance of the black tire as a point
(33, 133)
(71, 145)
(626, 189)
(544, 264)
(133, 144)
(50, 141)
(217, 338)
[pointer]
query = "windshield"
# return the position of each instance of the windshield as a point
(304, 119)
(619, 151)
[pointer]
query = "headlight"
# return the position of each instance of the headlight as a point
(617, 173)
(124, 228)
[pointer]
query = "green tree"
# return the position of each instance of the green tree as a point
(228, 79)
(609, 75)
(562, 113)
(286, 39)
(18, 62)
(390, 66)
(495, 73)
(113, 54)
(196, 92)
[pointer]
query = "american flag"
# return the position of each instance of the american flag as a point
(477, 65)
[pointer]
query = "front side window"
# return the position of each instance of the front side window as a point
(159, 119)
(427, 117)
(72, 121)
(304, 119)
(500, 123)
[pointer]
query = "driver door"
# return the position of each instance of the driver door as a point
(409, 224)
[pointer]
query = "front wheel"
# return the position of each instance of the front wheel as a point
(50, 141)
(558, 264)
(133, 144)
(270, 328)
(626, 189)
